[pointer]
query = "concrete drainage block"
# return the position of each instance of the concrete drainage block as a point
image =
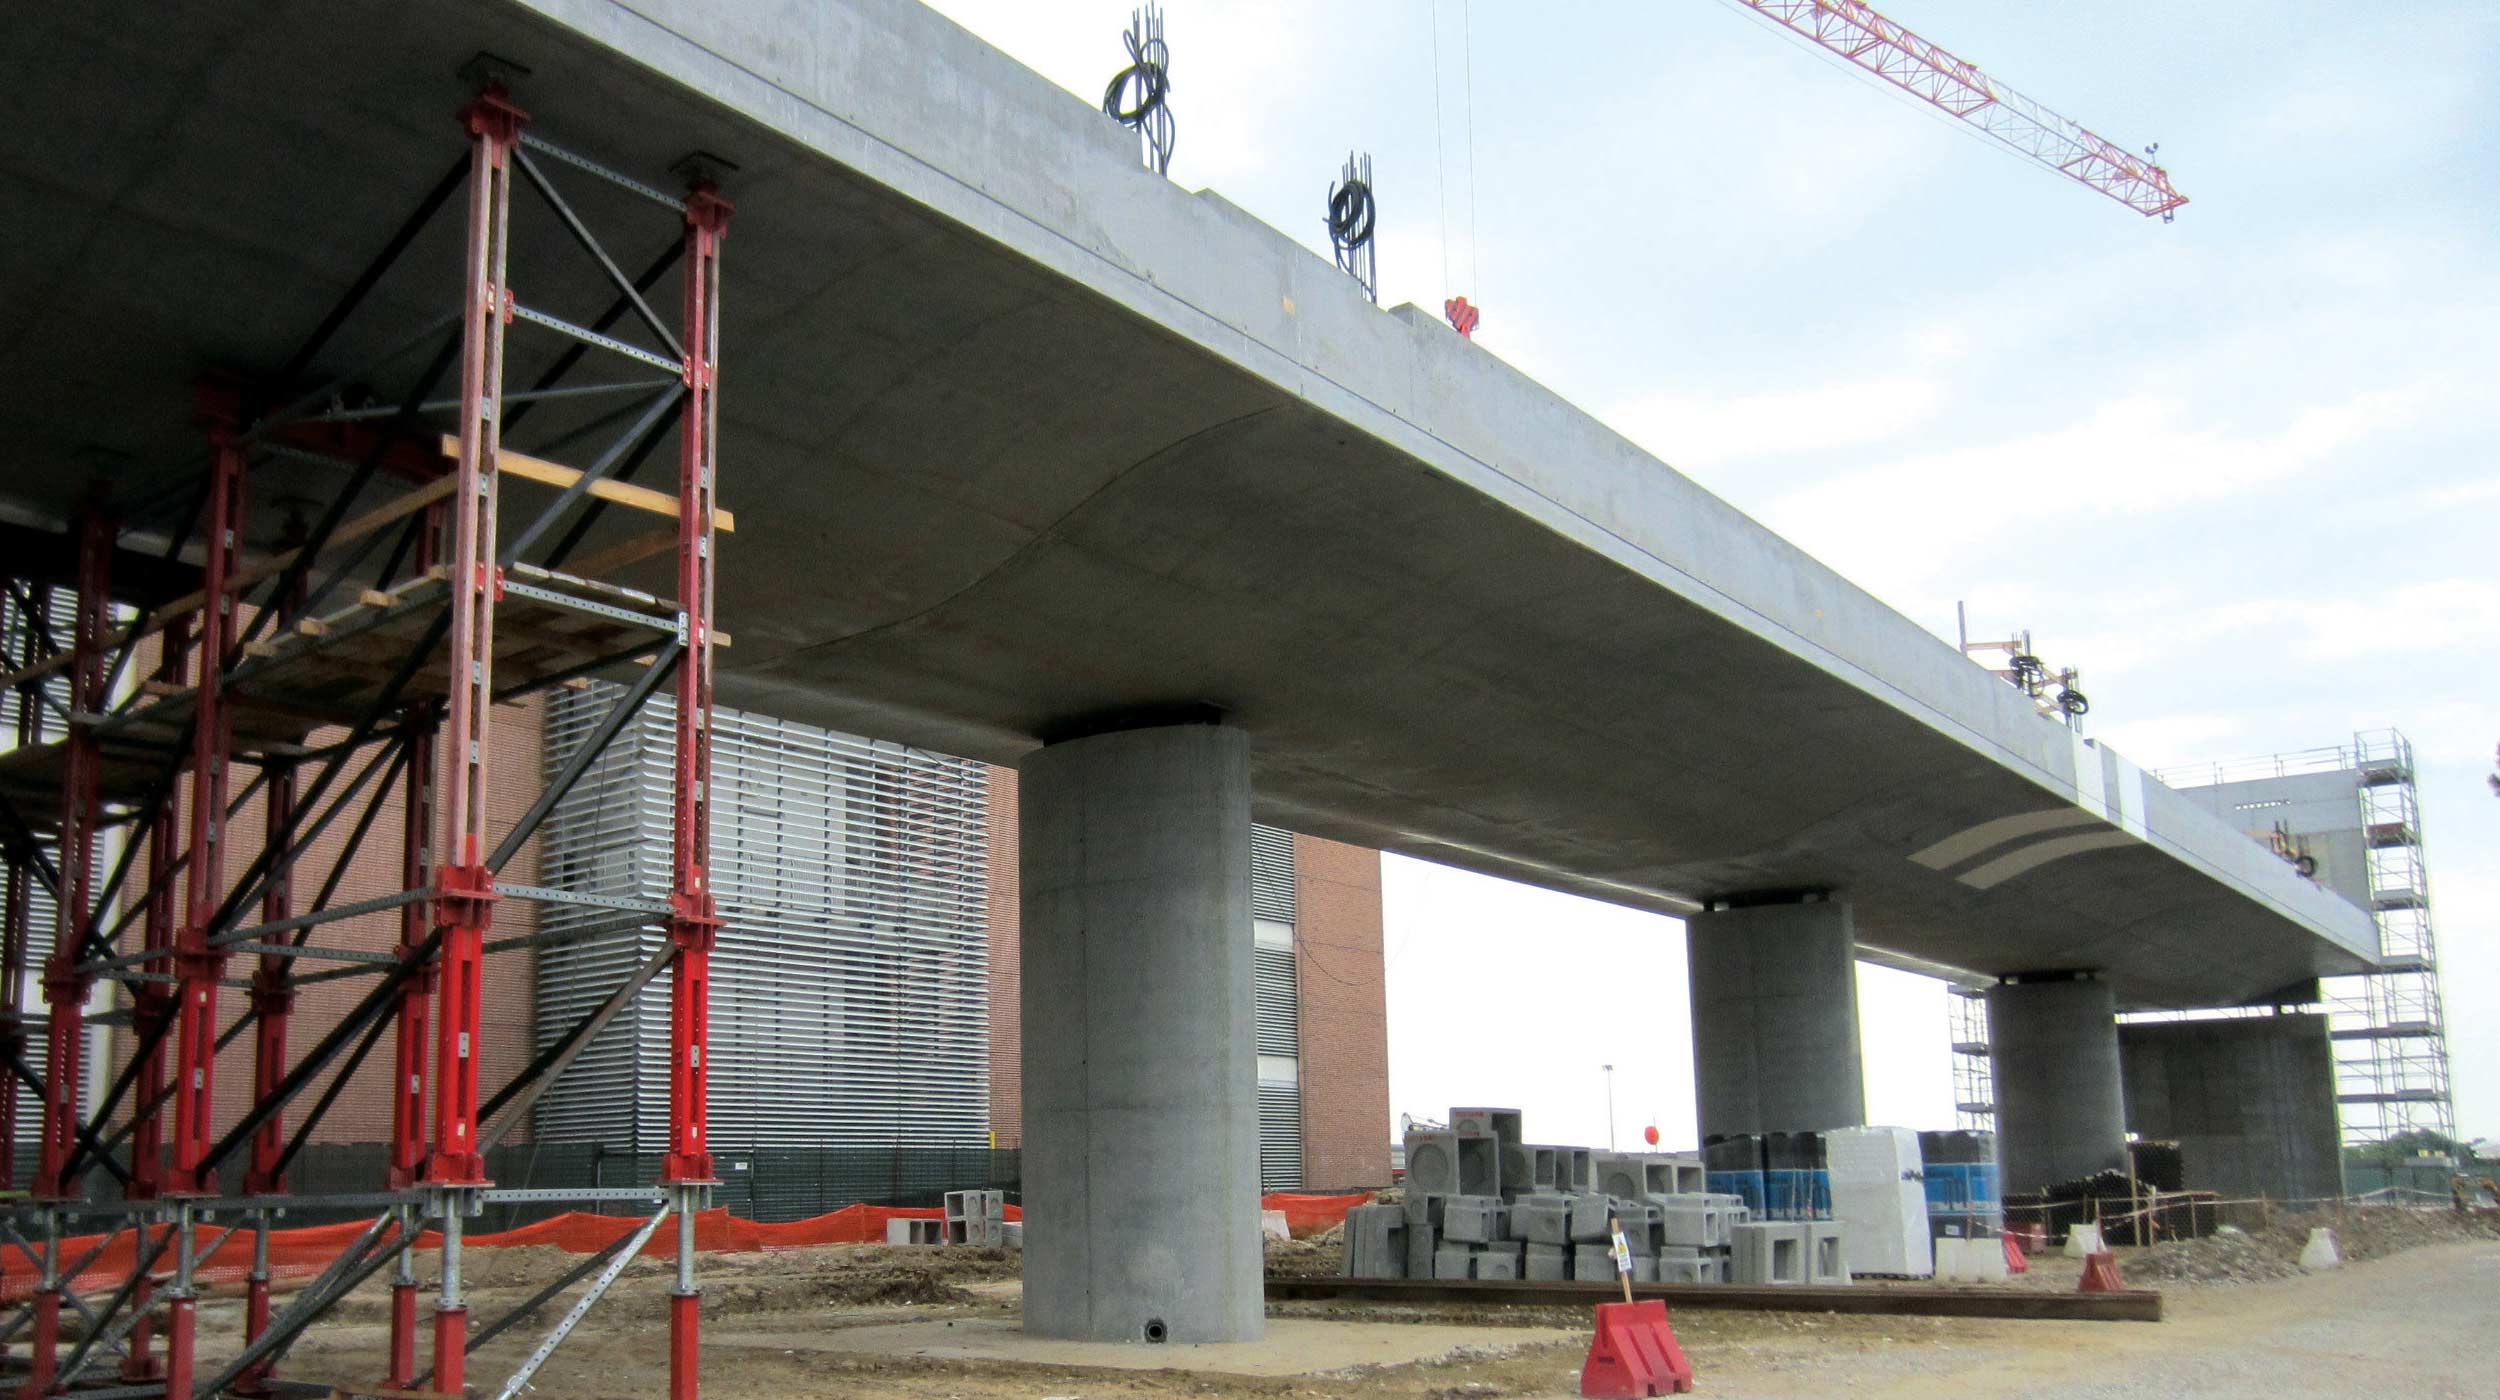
(1541, 1219)
(1476, 1219)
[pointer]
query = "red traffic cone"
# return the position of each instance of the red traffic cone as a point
(1635, 1354)
(2016, 1262)
(2100, 1273)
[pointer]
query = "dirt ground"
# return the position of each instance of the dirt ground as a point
(2413, 1317)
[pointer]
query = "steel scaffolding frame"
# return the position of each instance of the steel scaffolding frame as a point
(2388, 1027)
(1974, 1071)
(335, 709)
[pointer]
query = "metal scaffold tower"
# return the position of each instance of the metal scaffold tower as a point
(1974, 1073)
(2389, 1031)
(192, 774)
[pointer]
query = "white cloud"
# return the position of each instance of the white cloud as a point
(2161, 741)
(1891, 527)
(2463, 493)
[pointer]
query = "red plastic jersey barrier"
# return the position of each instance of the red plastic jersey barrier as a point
(1635, 1354)
(2100, 1273)
(2016, 1262)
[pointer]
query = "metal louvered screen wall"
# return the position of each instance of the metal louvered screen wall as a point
(41, 912)
(850, 988)
(1278, 1020)
(1271, 874)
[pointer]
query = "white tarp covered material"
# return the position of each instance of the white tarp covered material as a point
(1879, 1196)
(2082, 1240)
(2320, 1252)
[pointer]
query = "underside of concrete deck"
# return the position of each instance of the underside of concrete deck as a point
(1022, 435)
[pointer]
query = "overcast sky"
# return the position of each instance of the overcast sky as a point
(2239, 468)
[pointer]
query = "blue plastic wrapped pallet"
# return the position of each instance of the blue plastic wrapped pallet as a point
(1748, 1185)
(1964, 1196)
(1794, 1194)
(1962, 1188)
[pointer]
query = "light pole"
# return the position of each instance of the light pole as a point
(1610, 1107)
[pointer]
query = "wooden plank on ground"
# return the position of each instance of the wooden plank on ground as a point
(1907, 1300)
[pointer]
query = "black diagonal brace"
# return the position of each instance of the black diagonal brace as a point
(382, 994)
(610, 725)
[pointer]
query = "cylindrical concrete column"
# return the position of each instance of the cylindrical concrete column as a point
(1141, 1138)
(2061, 1111)
(1775, 1019)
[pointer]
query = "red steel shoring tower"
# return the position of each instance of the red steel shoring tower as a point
(152, 1011)
(1956, 87)
(198, 965)
(407, 1093)
(65, 981)
(465, 887)
(446, 904)
(694, 920)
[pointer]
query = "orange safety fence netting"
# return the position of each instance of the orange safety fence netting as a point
(1312, 1215)
(305, 1251)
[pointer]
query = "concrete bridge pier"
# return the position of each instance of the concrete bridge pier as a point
(1775, 1016)
(1141, 1166)
(2061, 1107)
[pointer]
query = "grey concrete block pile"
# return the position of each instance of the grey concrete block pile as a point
(1483, 1203)
(979, 1219)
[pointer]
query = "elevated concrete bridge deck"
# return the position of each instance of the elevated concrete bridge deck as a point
(1021, 434)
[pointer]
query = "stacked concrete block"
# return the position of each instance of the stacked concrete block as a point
(1693, 1270)
(1639, 1222)
(1475, 1220)
(1624, 1178)
(1479, 1166)
(1696, 1221)
(1671, 1174)
(1011, 1233)
(1482, 1203)
(915, 1232)
(1375, 1242)
(1825, 1263)
(1541, 1219)
(1422, 1243)
(976, 1218)
(1498, 1261)
(1423, 1209)
(1431, 1164)
(1500, 1124)
(1518, 1170)
(1769, 1251)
